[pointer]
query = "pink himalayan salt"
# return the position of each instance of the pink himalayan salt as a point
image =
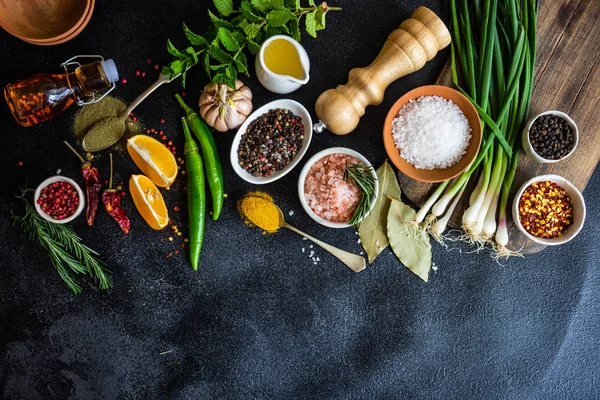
(327, 193)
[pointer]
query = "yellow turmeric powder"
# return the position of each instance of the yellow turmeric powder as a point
(258, 209)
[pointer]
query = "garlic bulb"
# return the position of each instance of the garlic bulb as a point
(225, 108)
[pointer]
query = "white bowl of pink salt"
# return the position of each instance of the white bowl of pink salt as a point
(326, 192)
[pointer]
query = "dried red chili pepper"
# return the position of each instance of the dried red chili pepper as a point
(93, 185)
(112, 202)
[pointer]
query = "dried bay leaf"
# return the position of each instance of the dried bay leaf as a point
(412, 248)
(373, 228)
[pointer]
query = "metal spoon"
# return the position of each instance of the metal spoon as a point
(96, 138)
(352, 261)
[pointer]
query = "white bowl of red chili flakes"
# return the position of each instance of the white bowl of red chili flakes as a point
(325, 195)
(549, 210)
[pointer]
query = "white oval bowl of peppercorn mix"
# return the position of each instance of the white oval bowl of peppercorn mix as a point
(285, 104)
(49, 181)
(577, 203)
(528, 146)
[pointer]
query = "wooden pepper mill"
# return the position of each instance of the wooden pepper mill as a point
(406, 50)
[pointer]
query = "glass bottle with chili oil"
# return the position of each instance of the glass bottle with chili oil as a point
(44, 96)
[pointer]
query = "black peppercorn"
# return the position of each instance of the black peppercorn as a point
(270, 142)
(551, 137)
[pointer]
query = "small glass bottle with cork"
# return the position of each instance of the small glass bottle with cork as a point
(44, 96)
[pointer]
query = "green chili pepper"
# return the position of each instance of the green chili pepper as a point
(210, 155)
(196, 195)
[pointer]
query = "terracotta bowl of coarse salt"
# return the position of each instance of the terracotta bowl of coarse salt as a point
(324, 194)
(432, 133)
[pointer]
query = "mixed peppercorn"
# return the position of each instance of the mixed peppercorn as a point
(271, 142)
(551, 137)
(545, 210)
(59, 200)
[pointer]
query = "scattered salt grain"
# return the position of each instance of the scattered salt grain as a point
(58, 171)
(312, 253)
(431, 132)
(304, 238)
(311, 246)
(358, 241)
(318, 259)
(303, 249)
(362, 252)
(291, 213)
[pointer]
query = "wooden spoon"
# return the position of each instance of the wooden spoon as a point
(354, 262)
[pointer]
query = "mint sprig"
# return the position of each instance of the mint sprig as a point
(234, 31)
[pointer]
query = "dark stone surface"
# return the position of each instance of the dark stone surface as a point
(259, 320)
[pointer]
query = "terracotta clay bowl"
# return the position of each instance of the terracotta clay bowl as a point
(45, 22)
(72, 35)
(433, 175)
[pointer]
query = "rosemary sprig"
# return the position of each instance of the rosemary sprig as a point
(68, 255)
(361, 176)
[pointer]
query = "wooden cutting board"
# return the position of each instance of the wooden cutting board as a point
(567, 78)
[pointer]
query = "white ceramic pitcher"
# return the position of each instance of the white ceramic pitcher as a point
(277, 83)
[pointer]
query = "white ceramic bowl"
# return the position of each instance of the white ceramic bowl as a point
(306, 169)
(59, 178)
(528, 147)
(578, 210)
(296, 108)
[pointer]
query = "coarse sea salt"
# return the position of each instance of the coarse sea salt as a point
(431, 132)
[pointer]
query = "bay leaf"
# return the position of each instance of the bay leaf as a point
(373, 228)
(412, 248)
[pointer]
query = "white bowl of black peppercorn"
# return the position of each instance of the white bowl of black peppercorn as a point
(242, 162)
(550, 137)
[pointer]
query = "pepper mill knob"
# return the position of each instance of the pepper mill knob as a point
(406, 50)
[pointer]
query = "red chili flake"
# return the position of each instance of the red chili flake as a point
(173, 148)
(123, 193)
(19, 163)
(134, 118)
(212, 255)
(170, 143)
(143, 74)
(148, 131)
(152, 130)
(162, 120)
(161, 132)
(156, 67)
(176, 252)
(137, 73)
(123, 81)
(183, 94)
(176, 208)
(149, 61)
(163, 137)
(106, 181)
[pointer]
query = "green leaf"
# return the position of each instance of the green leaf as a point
(320, 19)
(295, 29)
(373, 228)
(312, 3)
(239, 37)
(231, 73)
(176, 67)
(237, 20)
(409, 243)
(248, 12)
(195, 39)
(220, 23)
(192, 52)
(311, 24)
(241, 63)
(253, 47)
(227, 39)
(225, 7)
(183, 78)
(206, 63)
(251, 31)
(220, 76)
(259, 6)
(279, 17)
(275, 4)
(220, 55)
(173, 50)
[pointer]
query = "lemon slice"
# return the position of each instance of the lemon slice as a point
(148, 201)
(154, 159)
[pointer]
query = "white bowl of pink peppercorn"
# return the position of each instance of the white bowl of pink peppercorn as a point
(53, 211)
(525, 206)
(323, 200)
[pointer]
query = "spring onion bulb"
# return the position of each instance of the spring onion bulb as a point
(422, 213)
(440, 225)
